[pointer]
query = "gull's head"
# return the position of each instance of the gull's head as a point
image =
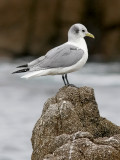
(78, 31)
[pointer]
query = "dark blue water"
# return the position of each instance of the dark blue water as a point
(21, 102)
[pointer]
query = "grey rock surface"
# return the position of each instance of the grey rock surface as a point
(70, 128)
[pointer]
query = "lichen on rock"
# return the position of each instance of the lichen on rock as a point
(70, 128)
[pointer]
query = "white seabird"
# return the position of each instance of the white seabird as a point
(66, 58)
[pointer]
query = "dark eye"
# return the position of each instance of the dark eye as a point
(83, 30)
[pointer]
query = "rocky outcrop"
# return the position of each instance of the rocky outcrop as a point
(70, 128)
(32, 27)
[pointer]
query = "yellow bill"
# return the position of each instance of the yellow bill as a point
(90, 35)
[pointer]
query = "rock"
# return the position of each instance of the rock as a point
(70, 128)
(103, 20)
(32, 27)
(110, 44)
(108, 8)
(14, 22)
(44, 27)
(110, 41)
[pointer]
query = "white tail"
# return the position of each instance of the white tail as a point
(34, 74)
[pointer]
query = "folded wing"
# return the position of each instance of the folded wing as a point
(63, 56)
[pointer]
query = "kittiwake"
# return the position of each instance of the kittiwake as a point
(66, 58)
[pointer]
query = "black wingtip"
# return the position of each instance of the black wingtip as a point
(22, 66)
(22, 70)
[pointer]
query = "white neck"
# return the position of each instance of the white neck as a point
(80, 43)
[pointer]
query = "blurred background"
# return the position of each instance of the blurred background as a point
(28, 29)
(32, 27)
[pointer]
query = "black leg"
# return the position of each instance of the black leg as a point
(64, 80)
(67, 79)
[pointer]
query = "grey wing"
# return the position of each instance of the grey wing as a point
(36, 61)
(63, 56)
